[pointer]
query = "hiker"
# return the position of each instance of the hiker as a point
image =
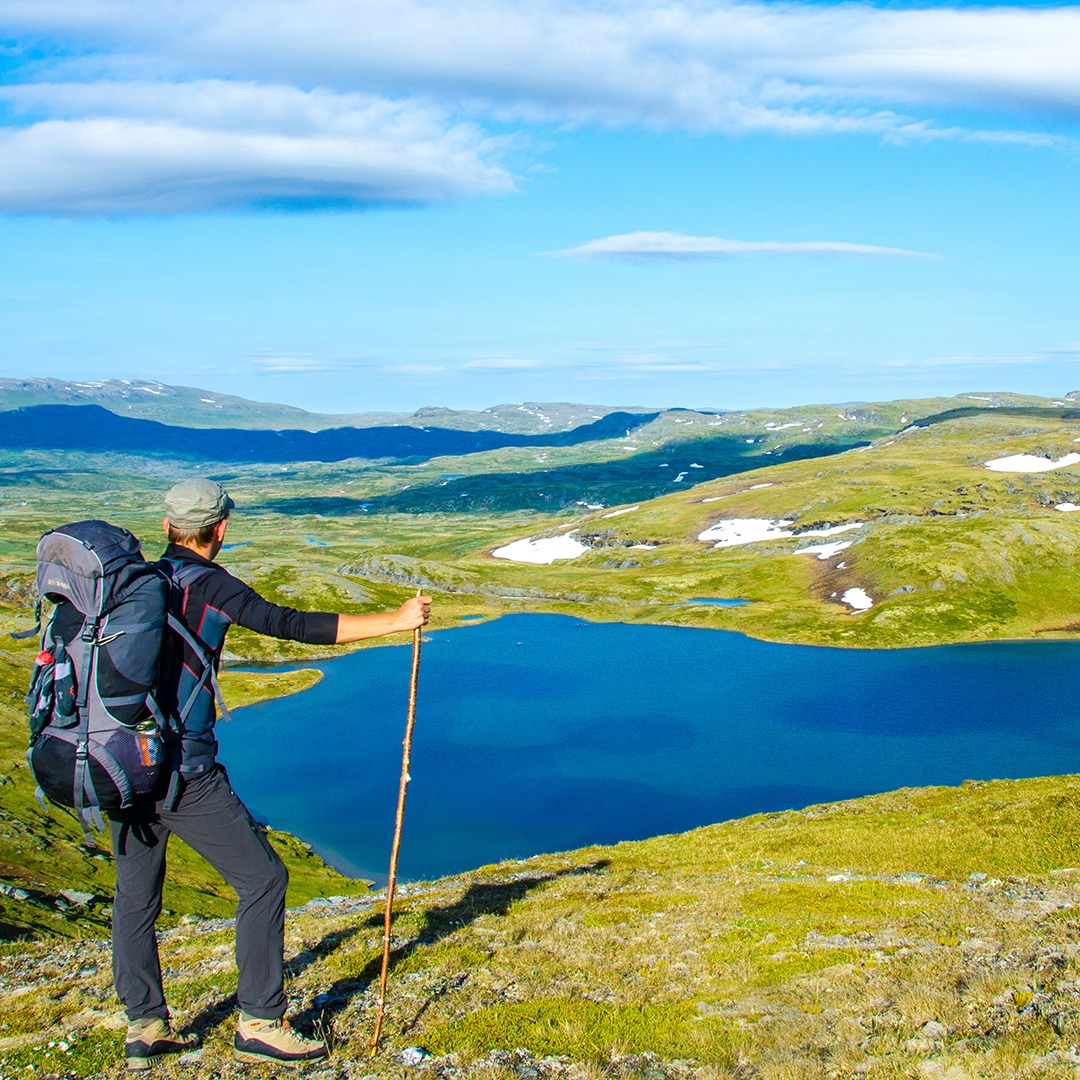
(199, 804)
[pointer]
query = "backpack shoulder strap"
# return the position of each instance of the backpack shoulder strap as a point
(180, 575)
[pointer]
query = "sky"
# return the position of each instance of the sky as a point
(368, 205)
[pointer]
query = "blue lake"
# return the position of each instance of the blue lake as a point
(540, 733)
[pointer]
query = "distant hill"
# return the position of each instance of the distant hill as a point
(95, 429)
(188, 406)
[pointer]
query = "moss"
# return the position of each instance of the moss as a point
(589, 1031)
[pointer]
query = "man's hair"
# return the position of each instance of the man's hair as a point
(193, 537)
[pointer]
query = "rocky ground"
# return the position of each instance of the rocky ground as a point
(926, 934)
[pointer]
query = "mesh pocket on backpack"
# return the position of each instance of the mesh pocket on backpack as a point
(140, 754)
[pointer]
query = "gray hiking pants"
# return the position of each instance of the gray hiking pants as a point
(210, 817)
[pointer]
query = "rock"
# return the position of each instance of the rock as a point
(921, 1046)
(933, 1030)
(193, 1057)
(79, 899)
(934, 1070)
(910, 877)
(412, 1056)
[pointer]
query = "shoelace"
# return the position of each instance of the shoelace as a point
(287, 1031)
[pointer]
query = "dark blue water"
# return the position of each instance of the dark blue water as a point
(540, 733)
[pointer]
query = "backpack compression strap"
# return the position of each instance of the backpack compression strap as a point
(22, 635)
(208, 674)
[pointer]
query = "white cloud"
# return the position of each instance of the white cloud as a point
(191, 104)
(136, 147)
(666, 245)
(726, 65)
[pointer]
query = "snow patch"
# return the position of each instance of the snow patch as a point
(858, 600)
(1025, 463)
(825, 551)
(541, 551)
(834, 530)
(625, 510)
(737, 531)
(1067, 508)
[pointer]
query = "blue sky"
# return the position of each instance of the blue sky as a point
(354, 205)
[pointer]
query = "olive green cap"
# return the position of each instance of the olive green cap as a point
(193, 504)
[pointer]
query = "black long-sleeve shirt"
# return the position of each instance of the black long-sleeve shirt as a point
(242, 605)
(210, 601)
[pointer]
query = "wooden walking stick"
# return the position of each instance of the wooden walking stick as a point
(391, 881)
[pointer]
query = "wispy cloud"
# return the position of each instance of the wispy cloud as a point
(667, 245)
(414, 369)
(502, 364)
(290, 364)
(186, 105)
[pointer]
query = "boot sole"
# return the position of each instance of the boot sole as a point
(144, 1064)
(269, 1059)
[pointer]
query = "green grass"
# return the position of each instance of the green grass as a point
(801, 944)
(590, 1031)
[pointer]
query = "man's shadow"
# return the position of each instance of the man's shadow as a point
(481, 898)
(439, 923)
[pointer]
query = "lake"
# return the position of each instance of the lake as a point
(541, 733)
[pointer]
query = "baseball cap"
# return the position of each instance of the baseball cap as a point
(193, 504)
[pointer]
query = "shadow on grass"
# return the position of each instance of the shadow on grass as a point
(641, 476)
(439, 923)
(216, 1014)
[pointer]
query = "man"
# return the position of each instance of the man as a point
(200, 806)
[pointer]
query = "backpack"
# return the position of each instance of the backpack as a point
(96, 730)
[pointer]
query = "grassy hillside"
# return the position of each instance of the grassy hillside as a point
(923, 933)
(916, 934)
(947, 549)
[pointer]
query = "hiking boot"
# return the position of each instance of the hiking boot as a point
(151, 1038)
(276, 1041)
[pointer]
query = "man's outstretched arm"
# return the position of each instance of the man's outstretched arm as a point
(414, 613)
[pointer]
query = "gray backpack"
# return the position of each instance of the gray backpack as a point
(96, 732)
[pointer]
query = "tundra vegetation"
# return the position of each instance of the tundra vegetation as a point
(919, 933)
